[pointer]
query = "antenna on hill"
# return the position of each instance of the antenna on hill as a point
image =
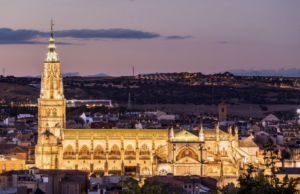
(3, 72)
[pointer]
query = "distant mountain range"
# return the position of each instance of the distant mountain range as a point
(292, 72)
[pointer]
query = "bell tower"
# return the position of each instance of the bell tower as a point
(51, 110)
(222, 112)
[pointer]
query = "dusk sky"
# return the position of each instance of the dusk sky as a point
(112, 36)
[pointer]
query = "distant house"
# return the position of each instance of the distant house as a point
(270, 120)
(187, 184)
(86, 117)
(9, 121)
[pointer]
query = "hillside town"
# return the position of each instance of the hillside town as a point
(19, 135)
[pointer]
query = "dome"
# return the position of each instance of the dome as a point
(48, 138)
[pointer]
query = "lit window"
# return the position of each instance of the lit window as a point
(13, 167)
(21, 166)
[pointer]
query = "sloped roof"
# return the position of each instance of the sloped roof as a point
(248, 142)
(12, 148)
(38, 191)
(193, 132)
(270, 116)
(207, 132)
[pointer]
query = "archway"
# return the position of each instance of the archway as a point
(163, 172)
(84, 150)
(191, 153)
(69, 151)
(144, 150)
(145, 171)
(99, 151)
(129, 150)
(115, 150)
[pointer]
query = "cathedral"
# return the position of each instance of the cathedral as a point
(141, 152)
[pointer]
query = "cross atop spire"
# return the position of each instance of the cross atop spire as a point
(52, 25)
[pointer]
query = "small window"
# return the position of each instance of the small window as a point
(190, 186)
(21, 166)
(196, 186)
(185, 186)
(222, 109)
(3, 167)
(13, 167)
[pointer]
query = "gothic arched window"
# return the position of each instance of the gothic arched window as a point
(144, 150)
(191, 154)
(84, 150)
(99, 150)
(48, 111)
(129, 150)
(115, 150)
(69, 150)
(54, 112)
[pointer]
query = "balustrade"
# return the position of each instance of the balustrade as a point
(84, 157)
(69, 156)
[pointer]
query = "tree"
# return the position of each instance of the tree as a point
(261, 184)
(133, 186)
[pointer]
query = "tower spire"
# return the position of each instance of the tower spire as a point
(51, 55)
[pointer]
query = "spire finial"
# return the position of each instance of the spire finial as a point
(52, 28)
(52, 25)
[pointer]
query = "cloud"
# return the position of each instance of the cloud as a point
(226, 42)
(22, 36)
(292, 72)
(9, 36)
(117, 33)
(177, 37)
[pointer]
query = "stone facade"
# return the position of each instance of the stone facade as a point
(143, 152)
